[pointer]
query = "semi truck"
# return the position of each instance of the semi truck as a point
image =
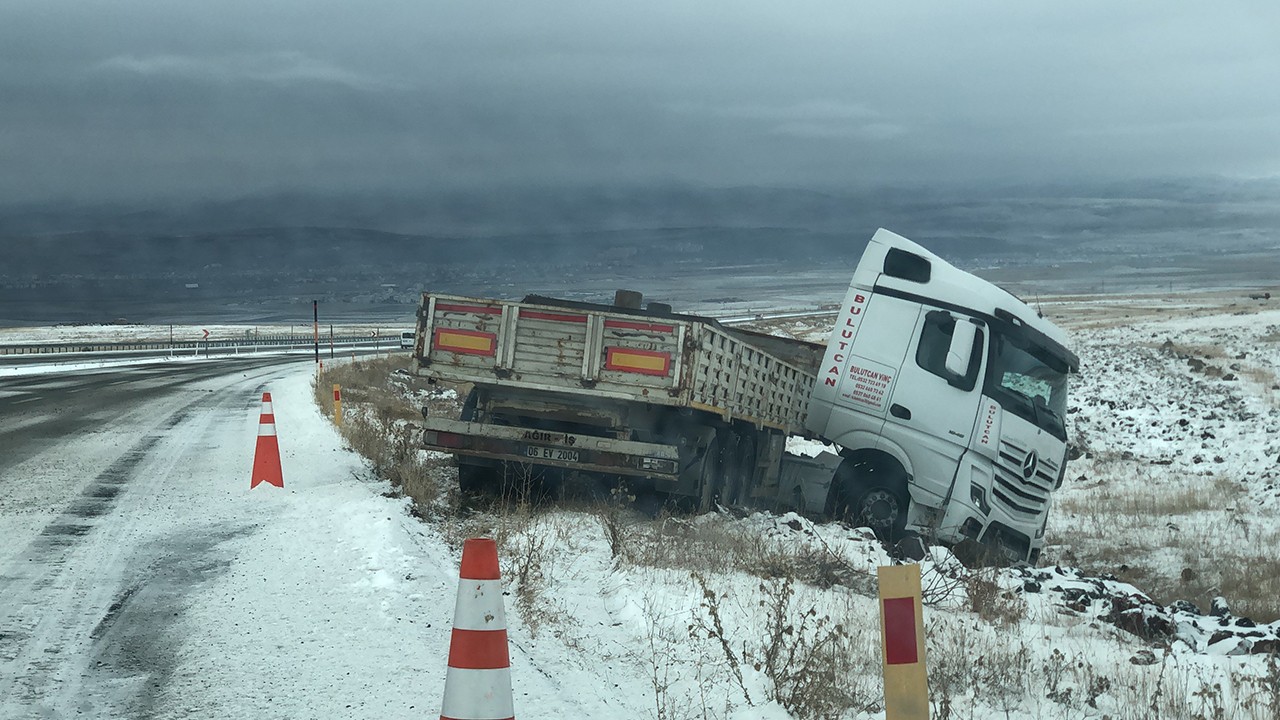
(941, 398)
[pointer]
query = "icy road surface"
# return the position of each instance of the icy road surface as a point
(139, 577)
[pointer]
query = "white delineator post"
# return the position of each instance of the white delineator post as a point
(477, 685)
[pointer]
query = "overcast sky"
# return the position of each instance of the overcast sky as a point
(134, 99)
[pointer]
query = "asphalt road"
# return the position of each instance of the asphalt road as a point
(38, 412)
(92, 568)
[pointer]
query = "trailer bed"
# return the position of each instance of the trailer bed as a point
(604, 351)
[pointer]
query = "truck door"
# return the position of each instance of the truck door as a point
(932, 409)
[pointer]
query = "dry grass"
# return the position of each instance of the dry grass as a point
(1266, 379)
(1187, 542)
(975, 672)
(989, 601)
(1154, 498)
(820, 658)
(711, 545)
(375, 424)
(1212, 352)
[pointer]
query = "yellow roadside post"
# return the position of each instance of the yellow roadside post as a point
(337, 405)
(906, 688)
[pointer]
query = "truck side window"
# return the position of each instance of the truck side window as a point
(907, 265)
(935, 340)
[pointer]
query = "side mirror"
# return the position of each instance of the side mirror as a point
(960, 354)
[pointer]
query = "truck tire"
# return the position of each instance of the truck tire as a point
(743, 477)
(468, 412)
(476, 479)
(881, 508)
(730, 470)
(710, 475)
(871, 492)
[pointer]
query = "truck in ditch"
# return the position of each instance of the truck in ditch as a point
(942, 396)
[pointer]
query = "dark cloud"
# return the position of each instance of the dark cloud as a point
(141, 98)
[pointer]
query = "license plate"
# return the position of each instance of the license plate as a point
(548, 453)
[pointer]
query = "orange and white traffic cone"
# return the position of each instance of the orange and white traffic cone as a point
(266, 457)
(478, 683)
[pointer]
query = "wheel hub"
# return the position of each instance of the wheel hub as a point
(879, 508)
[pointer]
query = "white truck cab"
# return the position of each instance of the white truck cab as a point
(947, 396)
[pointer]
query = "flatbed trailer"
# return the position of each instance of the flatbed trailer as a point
(679, 401)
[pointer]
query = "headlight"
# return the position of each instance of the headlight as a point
(979, 498)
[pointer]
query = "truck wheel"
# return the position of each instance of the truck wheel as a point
(882, 509)
(468, 412)
(745, 473)
(730, 486)
(711, 475)
(476, 479)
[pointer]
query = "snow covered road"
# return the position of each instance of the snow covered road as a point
(140, 578)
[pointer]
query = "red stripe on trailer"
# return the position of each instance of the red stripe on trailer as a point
(479, 650)
(555, 317)
(646, 327)
(900, 631)
(478, 309)
(481, 563)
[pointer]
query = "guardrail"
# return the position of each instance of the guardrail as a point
(201, 347)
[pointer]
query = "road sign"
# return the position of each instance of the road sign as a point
(206, 334)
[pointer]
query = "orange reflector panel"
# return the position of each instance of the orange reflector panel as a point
(645, 362)
(468, 342)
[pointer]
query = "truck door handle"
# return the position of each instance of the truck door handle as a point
(898, 411)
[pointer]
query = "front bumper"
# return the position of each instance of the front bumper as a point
(999, 537)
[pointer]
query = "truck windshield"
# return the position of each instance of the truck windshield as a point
(1029, 382)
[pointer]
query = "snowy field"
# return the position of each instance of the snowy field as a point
(333, 598)
(1177, 415)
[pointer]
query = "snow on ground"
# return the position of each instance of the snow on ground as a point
(1176, 412)
(331, 599)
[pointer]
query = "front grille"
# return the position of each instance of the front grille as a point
(1020, 495)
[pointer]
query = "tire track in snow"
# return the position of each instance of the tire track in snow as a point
(72, 638)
